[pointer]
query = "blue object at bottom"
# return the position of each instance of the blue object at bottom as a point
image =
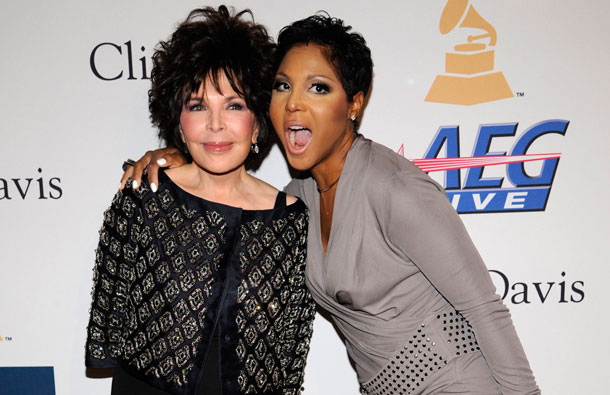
(38, 380)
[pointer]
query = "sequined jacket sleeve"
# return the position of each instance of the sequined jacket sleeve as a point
(298, 319)
(419, 222)
(114, 269)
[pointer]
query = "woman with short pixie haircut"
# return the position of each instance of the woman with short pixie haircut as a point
(199, 283)
(388, 256)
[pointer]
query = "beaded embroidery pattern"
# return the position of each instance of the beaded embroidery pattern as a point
(265, 334)
(408, 370)
(158, 282)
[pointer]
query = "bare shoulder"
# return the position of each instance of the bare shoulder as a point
(290, 199)
(264, 193)
(269, 193)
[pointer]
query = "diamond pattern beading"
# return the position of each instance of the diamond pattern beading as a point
(157, 267)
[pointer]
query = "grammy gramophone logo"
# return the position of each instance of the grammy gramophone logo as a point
(469, 76)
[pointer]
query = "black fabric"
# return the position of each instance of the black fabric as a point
(280, 200)
(209, 380)
(195, 295)
(125, 384)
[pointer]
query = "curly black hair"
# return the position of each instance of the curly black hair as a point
(208, 42)
(346, 51)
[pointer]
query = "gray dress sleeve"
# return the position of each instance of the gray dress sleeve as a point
(294, 188)
(419, 222)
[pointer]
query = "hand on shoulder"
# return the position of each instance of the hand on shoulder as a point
(168, 157)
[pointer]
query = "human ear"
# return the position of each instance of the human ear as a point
(182, 134)
(255, 133)
(355, 106)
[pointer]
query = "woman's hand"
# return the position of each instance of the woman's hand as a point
(163, 157)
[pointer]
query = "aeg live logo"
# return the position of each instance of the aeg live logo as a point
(480, 194)
(469, 70)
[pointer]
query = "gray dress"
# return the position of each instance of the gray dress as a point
(406, 286)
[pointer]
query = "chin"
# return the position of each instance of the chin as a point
(299, 163)
(214, 167)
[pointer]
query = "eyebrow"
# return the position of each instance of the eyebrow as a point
(309, 76)
(228, 98)
(312, 76)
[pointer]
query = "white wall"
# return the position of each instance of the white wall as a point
(59, 117)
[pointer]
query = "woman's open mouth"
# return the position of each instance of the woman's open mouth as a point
(298, 138)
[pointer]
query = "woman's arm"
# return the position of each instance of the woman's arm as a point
(298, 319)
(116, 255)
(420, 222)
(152, 160)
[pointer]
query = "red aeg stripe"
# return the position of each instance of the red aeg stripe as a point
(443, 164)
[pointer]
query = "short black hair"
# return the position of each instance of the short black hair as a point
(207, 43)
(347, 51)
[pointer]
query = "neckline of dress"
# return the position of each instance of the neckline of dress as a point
(192, 197)
(345, 173)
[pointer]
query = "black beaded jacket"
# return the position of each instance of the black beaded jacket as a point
(172, 269)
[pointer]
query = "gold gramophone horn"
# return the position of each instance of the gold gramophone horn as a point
(452, 15)
(469, 76)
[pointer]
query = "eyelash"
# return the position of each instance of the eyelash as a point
(195, 107)
(316, 87)
(199, 107)
(320, 86)
(278, 85)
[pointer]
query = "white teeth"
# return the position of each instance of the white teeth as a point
(297, 128)
(293, 137)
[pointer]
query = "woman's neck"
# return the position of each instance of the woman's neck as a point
(327, 172)
(215, 187)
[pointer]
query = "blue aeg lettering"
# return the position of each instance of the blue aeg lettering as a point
(516, 171)
(480, 194)
(474, 177)
(449, 134)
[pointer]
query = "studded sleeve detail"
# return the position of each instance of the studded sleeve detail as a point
(424, 226)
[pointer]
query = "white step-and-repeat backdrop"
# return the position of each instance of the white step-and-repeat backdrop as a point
(519, 89)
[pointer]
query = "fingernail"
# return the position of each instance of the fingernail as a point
(120, 185)
(134, 184)
(153, 187)
(161, 161)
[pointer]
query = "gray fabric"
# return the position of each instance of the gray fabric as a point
(397, 255)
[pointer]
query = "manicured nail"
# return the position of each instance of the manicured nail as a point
(120, 185)
(161, 161)
(134, 184)
(153, 187)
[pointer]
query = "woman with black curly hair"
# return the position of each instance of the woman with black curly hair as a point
(199, 283)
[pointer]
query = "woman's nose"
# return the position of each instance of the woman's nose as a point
(295, 102)
(216, 121)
